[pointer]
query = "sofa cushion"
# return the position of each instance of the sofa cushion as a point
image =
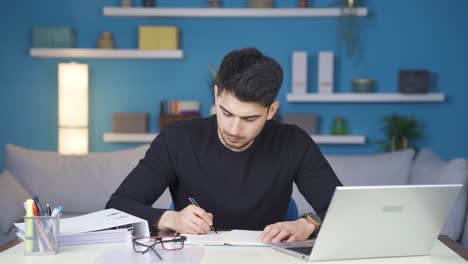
(381, 169)
(429, 168)
(12, 196)
(82, 184)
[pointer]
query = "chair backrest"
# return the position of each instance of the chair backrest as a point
(291, 213)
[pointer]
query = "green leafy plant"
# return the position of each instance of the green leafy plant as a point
(399, 131)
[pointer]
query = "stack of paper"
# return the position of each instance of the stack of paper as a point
(226, 238)
(106, 226)
(96, 237)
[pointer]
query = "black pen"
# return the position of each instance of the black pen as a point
(196, 204)
(49, 211)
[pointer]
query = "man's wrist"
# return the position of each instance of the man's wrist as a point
(165, 221)
(310, 227)
(314, 220)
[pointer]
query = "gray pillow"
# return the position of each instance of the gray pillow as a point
(380, 169)
(82, 184)
(12, 196)
(429, 168)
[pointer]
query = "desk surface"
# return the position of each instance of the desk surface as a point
(94, 254)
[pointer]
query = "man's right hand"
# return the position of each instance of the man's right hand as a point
(191, 220)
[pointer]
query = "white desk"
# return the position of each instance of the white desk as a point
(94, 254)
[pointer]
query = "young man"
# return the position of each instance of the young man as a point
(239, 165)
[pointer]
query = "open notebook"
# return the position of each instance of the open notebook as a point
(226, 238)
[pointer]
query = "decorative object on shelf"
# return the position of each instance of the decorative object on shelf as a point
(348, 29)
(302, 4)
(399, 131)
(126, 3)
(339, 126)
(172, 111)
(212, 83)
(105, 41)
(214, 3)
(53, 37)
(325, 72)
(299, 72)
(363, 85)
(130, 122)
(72, 108)
(308, 122)
(260, 3)
(148, 3)
(158, 38)
(413, 81)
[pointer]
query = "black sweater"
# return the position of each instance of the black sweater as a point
(243, 190)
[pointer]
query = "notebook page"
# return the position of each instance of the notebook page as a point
(234, 237)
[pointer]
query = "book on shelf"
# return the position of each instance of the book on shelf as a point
(180, 108)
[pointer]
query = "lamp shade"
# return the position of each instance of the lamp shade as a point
(73, 108)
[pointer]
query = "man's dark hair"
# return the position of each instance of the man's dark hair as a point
(250, 76)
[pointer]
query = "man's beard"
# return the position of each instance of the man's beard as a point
(226, 142)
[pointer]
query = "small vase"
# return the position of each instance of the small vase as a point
(126, 3)
(148, 3)
(339, 126)
(363, 85)
(260, 3)
(214, 3)
(105, 41)
(302, 3)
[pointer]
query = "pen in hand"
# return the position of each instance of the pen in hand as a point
(196, 204)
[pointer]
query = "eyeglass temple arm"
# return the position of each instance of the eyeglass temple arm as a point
(154, 250)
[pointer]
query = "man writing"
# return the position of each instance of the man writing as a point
(239, 165)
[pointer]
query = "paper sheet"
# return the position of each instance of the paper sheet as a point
(125, 254)
(233, 238)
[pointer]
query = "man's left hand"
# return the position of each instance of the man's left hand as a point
(290, 231)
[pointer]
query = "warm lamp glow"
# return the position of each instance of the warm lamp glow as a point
(73, 108)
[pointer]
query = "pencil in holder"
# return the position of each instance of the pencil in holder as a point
(41, 235)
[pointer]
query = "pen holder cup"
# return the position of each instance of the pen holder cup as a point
(41, 235)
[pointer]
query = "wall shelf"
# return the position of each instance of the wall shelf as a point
(365, 98)
(229, 12)
(105, 53)
(149, 137)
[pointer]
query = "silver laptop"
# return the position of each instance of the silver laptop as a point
(378, 221)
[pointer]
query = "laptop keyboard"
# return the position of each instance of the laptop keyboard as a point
(302, 250)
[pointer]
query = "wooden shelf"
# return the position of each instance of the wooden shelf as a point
(129, 137)
(105, 53)
(230, 12)
(365, 98)
(149, 137)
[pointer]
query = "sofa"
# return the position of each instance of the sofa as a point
(83, 184)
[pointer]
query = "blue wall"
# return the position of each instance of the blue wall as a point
(396, 35)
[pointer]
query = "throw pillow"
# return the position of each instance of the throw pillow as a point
(380, 169)
(82, 184)
(12, 196)
(429, 168)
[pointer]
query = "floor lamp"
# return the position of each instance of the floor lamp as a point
(72, 108)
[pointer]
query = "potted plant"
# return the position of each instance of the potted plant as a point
(399, 131)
